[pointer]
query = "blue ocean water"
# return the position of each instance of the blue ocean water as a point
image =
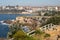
(12, 16)
(3, 31)
(4, 28)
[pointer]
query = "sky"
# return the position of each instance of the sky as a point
(30, 2)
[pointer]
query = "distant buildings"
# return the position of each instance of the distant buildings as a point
(53, 8)
(28, 9)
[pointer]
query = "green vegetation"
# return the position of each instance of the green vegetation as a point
(17, 33)
(46, 14)
(20, 35)
(39, 13)
(13, 29)
(47, 35)
(58, 12)
(51, 13)
(40, 35)
(55, 20)
(39, 32)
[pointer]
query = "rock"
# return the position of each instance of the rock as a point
(7, 21)
(3, 39)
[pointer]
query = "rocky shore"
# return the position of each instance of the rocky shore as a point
(3, 39)
(6, 22)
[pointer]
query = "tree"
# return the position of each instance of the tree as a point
(46, 14)
(14, 28)
(20, 35)
(39, 13)
(55, 20)
(47, 35)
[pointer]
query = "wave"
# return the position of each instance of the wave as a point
(4, 24)
(1, 21)
(12, 20)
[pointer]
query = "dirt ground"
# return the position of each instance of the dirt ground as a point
(54, 33)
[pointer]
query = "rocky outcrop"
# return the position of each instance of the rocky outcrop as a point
(7, 21)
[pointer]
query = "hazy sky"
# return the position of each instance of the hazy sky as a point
(30, 2)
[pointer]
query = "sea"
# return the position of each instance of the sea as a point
(4, 29)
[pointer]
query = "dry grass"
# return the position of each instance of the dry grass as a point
(54, 33)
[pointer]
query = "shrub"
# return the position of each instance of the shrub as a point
(47, 35)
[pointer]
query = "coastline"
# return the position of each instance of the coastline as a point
(6, 22)
(3, 39)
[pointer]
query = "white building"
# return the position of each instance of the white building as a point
(20, 8)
